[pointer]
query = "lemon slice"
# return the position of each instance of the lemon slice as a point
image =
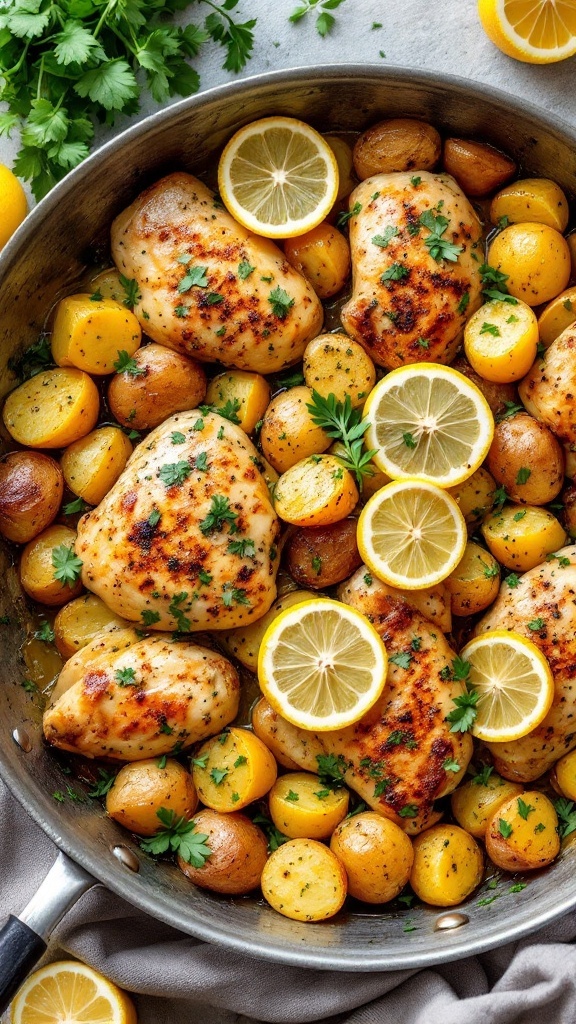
(67, 992)
(515, 684)
(321, 665)
(411, 534)
(534, 31)
(278, 177)
(429, 422)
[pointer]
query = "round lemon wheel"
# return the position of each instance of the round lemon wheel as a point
(411, 534)
(278, 177)
(515, 684)
(429, 422)
(533, 31)
(67, 992)
(321, 665)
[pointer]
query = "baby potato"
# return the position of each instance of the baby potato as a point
(244, 641)
(233, 769)
(448, 865)
(321, 556)
(288, 432)
(267, 724)
(92, 465)
(571, 239)
(39, 563)
(247, 393)
(376, 854)
(521, 833)
(526, 459)
(317, 491)
(31, 488)
(501, 343)
(564, 775)
(537, 200)
(90, 334)
(568, 514)
(343, 153)
(536, 260)
(160, 383)
(52, 409)
(475, 801)
(398, 144)
(238, 853)
(142, 788)
(500, 397)
(304, 881)
(334, 364)
(557, 316)
(107, 285)
(474, 583)
(475, 495)
(79, 621)
(302, 808)
(477, 167)
(322, 256)
(520, 536)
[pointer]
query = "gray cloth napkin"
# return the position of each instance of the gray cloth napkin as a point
(179, 980)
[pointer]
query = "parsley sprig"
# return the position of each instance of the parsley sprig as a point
(67, 565)
(464, 714)
(440, 248)
(566, 811)
(180, 836)
(494, 285)
(325, 21)
(339, 420)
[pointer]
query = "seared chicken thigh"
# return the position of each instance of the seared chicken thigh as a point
(549, 389)
(409, 301)
(209, 287)
(546, 593)
(186, 539)
(140, 698)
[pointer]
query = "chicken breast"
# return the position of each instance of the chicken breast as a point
(140, 698)
(549, 390)
(209, 287)
(186, 539)
(546, 594)
(409, 301)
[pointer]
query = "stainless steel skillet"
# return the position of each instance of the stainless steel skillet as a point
(47, 254)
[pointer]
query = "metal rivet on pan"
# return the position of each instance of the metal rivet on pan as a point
(21, 737)
(126, 857)
(447, 921)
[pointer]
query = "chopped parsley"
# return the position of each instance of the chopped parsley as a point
(331, 769)
(280, 302)
(45, 633)
(504, 828)
(536, 624)
(125, 677)
(402, 659)
(490, 329)
(230, 594)
(149, 617)
(440, 248)
(524, 809)
(463, 304)
(463, 716)
(245, 269)
(179, 836)
(173, 473)
(127, 364)
(218, 775)
(343, 218)
(566, 812)
(67, 565)
(220, 513)
(383, 241)
(482, 777)
(195, 276)
(523, 475)
(396, 272)
(177, 437)
(450, 765)
(244, 548)
(78, 505)
(409, 440)
(494, 284)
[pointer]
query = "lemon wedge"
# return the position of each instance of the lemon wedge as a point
(68, 992)
(533, 31)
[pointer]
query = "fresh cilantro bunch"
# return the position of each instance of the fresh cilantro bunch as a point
(66, 65)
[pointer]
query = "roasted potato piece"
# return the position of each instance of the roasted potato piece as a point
(322, 256)
(343, 153)
(91, 334)
(334, 364)
(303, 880)
(107, 285)
(500, 397)
(568, 514)
(266, 723)
(302, 808)
(288, 433)
(400, 144)
(52, 409)
(42, 558)
(79, 621)
(31, 488)
(521, 834)
(571, 239)
(501, 344)
(160, 383)
(475, 495)
(474, 583)
(320, 556)
(557, 316)
(233, 769)
(246, 395)
(448, 865)
(475, 801)
(92, 465)
(376, 854)
(143, 788)
(317, 491)
(238, 853)
(477, 167)
(244, 642)
(527, 460)
(564, 775)
(536, 259)
(538, 200)
(520, 536)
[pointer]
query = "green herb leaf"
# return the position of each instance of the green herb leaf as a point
(396, 272)
(125, 677)
(566, 811)
(440, 248)
(67, 565)
(482, 777)
(275, 837)
(173, 473)
(523, 475)
(127, 364)
(245, 269)
(402, 660)
(490, 329)
(220, 513)
(343, 218)
(450, 765)
(331, 770)
(536, 624)
(340, 421)
(504, 828)
(105, 783)
(280, 302)
(524, 809)
(178, 836)
(78, 505)
(384, 240)
(45, 633)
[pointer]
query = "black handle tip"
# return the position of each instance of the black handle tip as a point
(20, 949)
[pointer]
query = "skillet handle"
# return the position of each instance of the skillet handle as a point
(23, 939)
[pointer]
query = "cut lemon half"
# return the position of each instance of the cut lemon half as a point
(278, 177)
(429, 422)
(534, 31)
(411, 534)
(321, 665)
(515, 683)
(67, 992)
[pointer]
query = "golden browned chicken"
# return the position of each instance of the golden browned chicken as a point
(415, 258)
(401, 756)
(547, 595)
(186, 539)
(209, 287)
(129, 698)
(549, 389)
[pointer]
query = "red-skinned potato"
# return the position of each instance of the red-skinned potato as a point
(31, 487)
(320, 556)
